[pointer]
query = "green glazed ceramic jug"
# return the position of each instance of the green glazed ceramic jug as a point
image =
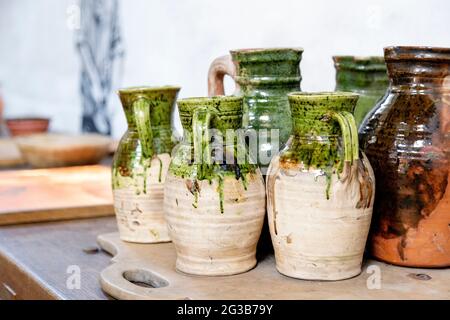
(320, 191)
(141, 161)
(214, 198)
(263, 77)
(365, 76)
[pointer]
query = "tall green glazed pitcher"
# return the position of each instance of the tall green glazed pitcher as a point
(365, 76)
(263, 77)
(141, 161)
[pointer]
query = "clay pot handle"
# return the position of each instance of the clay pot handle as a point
(349, 132)
(141, 110)
(220, 67)
(200, 128)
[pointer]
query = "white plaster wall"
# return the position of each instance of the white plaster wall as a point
(173, 42)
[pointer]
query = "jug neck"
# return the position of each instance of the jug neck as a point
(312, 112)
(360, 73)
(277, 68)
(418, 68)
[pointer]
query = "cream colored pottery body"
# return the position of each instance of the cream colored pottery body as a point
(139, 204)
(316, 238)
(207, 241)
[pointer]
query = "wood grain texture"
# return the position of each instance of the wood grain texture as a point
(55, 194)
(34, 259)
(155, 265)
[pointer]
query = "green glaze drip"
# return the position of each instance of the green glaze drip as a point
(365, 76)
(194, 160)
(324, 133)
(160, 170)
(148, 114)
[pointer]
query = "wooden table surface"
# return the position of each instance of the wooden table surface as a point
(37, 261)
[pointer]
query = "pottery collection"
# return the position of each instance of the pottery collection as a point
(299, 154)
(214, 207)
(141, 162)
(365, 76)
(407, 140)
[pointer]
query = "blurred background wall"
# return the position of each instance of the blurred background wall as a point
(173, 42)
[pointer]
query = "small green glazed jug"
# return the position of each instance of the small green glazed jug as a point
(141, 161)
(366, 76)
(214, 197)
(320, 191)
(263, 77)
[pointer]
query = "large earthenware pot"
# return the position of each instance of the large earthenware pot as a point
(365, 76)
(214, 198)
(263, 77)
(320, 191)
(141, 162)
(407, 140)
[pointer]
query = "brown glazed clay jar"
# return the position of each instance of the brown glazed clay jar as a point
(407, 140)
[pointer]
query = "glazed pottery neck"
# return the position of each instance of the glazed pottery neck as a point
(268, 68)
(220, 113)
(312, 113)
(418, 68)
(360, 73)
(148, 113)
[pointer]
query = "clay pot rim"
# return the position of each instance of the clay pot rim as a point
(267, 54)
(369, 63)
(26, 119)
(417, 53)
(209, 100)
(267, 50)
(322, 95)
(145, 89)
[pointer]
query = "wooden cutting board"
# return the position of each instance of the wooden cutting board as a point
(154, 265)
(55, 194)
(9, 154)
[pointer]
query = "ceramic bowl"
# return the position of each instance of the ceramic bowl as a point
(27, 126)
(58, 150)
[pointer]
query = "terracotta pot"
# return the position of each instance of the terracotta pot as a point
(140, 163)
(263, 78)
(27, 126)
(320, 191)
(365, 76)
(214, 201)
(407, 139)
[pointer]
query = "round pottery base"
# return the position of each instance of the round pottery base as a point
(145, 241)
(216, 267)
(318, 276)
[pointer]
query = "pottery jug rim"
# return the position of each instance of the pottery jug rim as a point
(271, 49)
(267, 54)
(369, 63)
(420, 53)
(142, 89)
(202, 100)
(322, 95)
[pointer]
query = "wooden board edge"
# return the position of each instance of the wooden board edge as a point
(59, 214)
(20, 284)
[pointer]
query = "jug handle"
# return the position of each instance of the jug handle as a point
(200, 128)
(141, 110)
(220, 67)
(349, 133)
